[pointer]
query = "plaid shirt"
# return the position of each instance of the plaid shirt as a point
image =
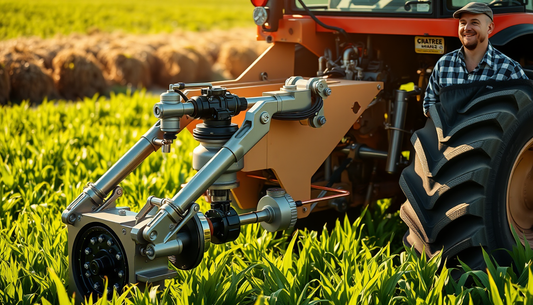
(451, 70)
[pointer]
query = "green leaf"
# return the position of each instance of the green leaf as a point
(61, 292)
(287, 258)
(494, 294)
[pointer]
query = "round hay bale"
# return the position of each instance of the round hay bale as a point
(28, 80)
(5, 86)
(46, 56)
(178, 66)
(148, 56)
(204, 69)
(220, 72)
(236, 58)
(78, 74)
(124, 68)
(17, 52)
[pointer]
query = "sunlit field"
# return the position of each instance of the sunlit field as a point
(49, 150)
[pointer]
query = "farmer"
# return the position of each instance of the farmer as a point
(476, 60)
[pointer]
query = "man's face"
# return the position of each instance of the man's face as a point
(474, 30)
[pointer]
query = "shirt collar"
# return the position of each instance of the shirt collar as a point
(488, 58)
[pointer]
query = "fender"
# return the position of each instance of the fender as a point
(506, 35)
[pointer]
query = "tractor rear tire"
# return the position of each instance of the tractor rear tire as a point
(471, 180)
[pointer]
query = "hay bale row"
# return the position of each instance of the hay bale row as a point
(76, 66)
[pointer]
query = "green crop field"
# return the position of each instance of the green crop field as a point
(49, 152)
(48, 18)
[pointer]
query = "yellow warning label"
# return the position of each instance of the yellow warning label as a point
(429, 45)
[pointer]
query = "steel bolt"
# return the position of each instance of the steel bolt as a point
(88, 251)
(265, 117)
(86, 265)
(72, 218)
(153, 235)
(110, 242)
(124, 231)
(379, 87)
(305, 209)
(120, 274)
(322, 120)
(327, 92)
(101, 238)
(96, 286)
(118, 256)
(116, 286)
(87, 274)
(150, 252)
(93, 240)
(122, 212)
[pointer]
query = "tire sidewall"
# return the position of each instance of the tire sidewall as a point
(498, 231)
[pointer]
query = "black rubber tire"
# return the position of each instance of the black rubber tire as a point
(456, 186)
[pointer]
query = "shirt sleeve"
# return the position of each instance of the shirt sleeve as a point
(432, 89)
(518, 73)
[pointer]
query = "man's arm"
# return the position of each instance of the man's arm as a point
(432, 89)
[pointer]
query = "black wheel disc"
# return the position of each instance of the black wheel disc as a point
(97, 254)
(193, 252)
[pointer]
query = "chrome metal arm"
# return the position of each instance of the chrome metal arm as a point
(294, 96)
(93, 196)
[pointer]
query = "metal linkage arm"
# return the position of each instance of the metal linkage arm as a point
(93, 196)
(296, 95)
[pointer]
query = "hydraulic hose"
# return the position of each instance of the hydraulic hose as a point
(301, 115)
(329, 27)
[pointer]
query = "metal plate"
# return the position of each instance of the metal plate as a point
(429, 45)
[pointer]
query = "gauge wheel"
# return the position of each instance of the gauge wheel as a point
(199, 238)
(98, 254)
(471, 183)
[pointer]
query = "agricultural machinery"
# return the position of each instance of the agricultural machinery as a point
(322, 121)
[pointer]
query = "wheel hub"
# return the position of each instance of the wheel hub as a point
(520, 194)
(97, 255)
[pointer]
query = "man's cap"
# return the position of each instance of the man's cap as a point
(474, 8)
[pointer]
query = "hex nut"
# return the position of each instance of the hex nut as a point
(264, 117)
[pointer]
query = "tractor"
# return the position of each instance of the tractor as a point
(329, 117)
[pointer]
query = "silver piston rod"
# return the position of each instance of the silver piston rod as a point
(94, 195)
(256, 216)
(133, 158)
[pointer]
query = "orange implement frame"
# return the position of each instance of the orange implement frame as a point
(293, 150)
